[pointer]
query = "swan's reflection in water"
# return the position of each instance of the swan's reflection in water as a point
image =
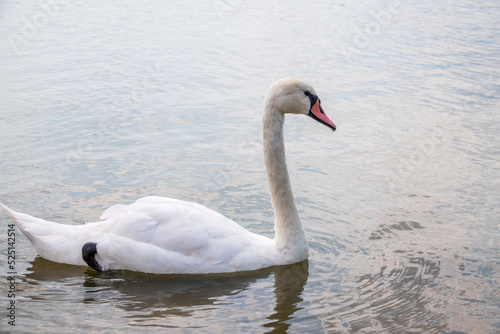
(181, 301)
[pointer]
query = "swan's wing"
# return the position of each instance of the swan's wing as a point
(180, 236)
(168, 223)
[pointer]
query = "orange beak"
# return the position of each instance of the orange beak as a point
(318, 114)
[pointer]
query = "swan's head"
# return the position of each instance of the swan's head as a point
(295, 96)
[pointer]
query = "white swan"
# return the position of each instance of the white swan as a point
(163, 235)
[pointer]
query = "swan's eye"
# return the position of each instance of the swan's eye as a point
(308, 93)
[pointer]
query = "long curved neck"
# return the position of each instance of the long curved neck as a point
(288, 226)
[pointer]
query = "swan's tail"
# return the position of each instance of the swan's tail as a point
(33, 228)
(52, 241)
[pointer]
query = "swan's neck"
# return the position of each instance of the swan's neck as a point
(288, 227)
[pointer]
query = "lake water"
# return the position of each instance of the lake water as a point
(106, 102)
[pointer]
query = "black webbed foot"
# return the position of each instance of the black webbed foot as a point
(89, 250)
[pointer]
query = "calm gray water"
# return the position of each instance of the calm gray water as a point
(106, 102)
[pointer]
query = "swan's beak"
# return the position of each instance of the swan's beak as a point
(318, 114)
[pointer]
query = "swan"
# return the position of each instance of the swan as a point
(168, 236)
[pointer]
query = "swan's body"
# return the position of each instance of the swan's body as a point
(163, 235)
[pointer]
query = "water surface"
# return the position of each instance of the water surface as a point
(102, 103)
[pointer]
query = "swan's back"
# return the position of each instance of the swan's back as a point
(172, 224)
